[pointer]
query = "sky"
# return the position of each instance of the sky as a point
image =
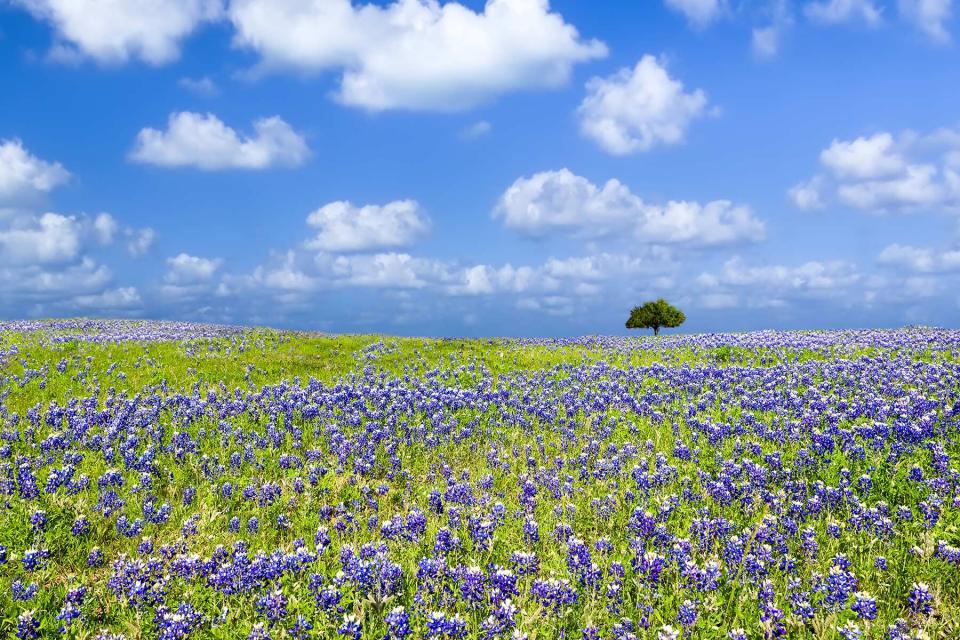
(509, 167)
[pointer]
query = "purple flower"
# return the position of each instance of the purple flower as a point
(28, 628)
(398, 624)
(350, 627)
(864, 605)
(920, 600)
(687, 614)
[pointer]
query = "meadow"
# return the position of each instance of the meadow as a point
(175, 480)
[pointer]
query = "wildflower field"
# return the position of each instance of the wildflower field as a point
(168, 480)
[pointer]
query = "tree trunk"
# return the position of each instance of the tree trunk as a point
(656, 331)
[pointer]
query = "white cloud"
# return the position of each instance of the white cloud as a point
(383, 270)
(50, 239)
(806, 195)
(205, 142)
(872, 157)
(415, 54)
(105, 227)
(551, 305)
(560, 201)
(487, 280)
(840, 11)
(184, 269)
(930, 16)
(286, 276)
(476, 130)
(580, 276)
(810, 276)
(719, 301)
(778, 19)
(766, 41)
(883, 172)
(201, 86)
(773, 285)
(638, 109)
(919, 259)
(139, 241)
(111, 299)
(22, 174)
(917, 187)
(344, 226)
(27, 283)
(115, 31)
(700, 13)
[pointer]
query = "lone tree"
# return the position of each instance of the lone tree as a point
(653, 315)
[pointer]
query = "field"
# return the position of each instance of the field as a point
(165, 480)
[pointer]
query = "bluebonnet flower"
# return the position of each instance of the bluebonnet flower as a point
(38, 521)
(258, 632)
(850, 631)
(81, 526)
(273, 605)
(176, 625)
(33, 559)
(687, 614)
(301, 628)
(28, 627)
(920, 600)
(350, 627)
(864, 605)
(398, 624)
(95, 558)
(23, 592)
(667, 632)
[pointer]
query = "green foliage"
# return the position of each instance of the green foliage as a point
(655, 314)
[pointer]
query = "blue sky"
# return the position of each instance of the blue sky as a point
(514, 167)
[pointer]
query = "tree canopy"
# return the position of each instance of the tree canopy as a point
(655, 314)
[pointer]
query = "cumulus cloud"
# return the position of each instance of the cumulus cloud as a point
(577, 275)
(872, 157)
(840, 11)
(184, 269)
(765, 41)
(205, 142)
(115, 32)
(39, 283)
(415, 54)
(772, 285)
(476, 130)
(139, 241)
(295, 276)
(562, 202)
(201, 86)
(121, 298)
(809, 276)
(929, 16)
(700, 13)
(920, 259)
(284, 274)
(53, 238)
(105, 227)
(45, 258)
(380, 270)
(884, 172)
(23, 175)
(640, 108)
(806, 195)
(344, 227)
